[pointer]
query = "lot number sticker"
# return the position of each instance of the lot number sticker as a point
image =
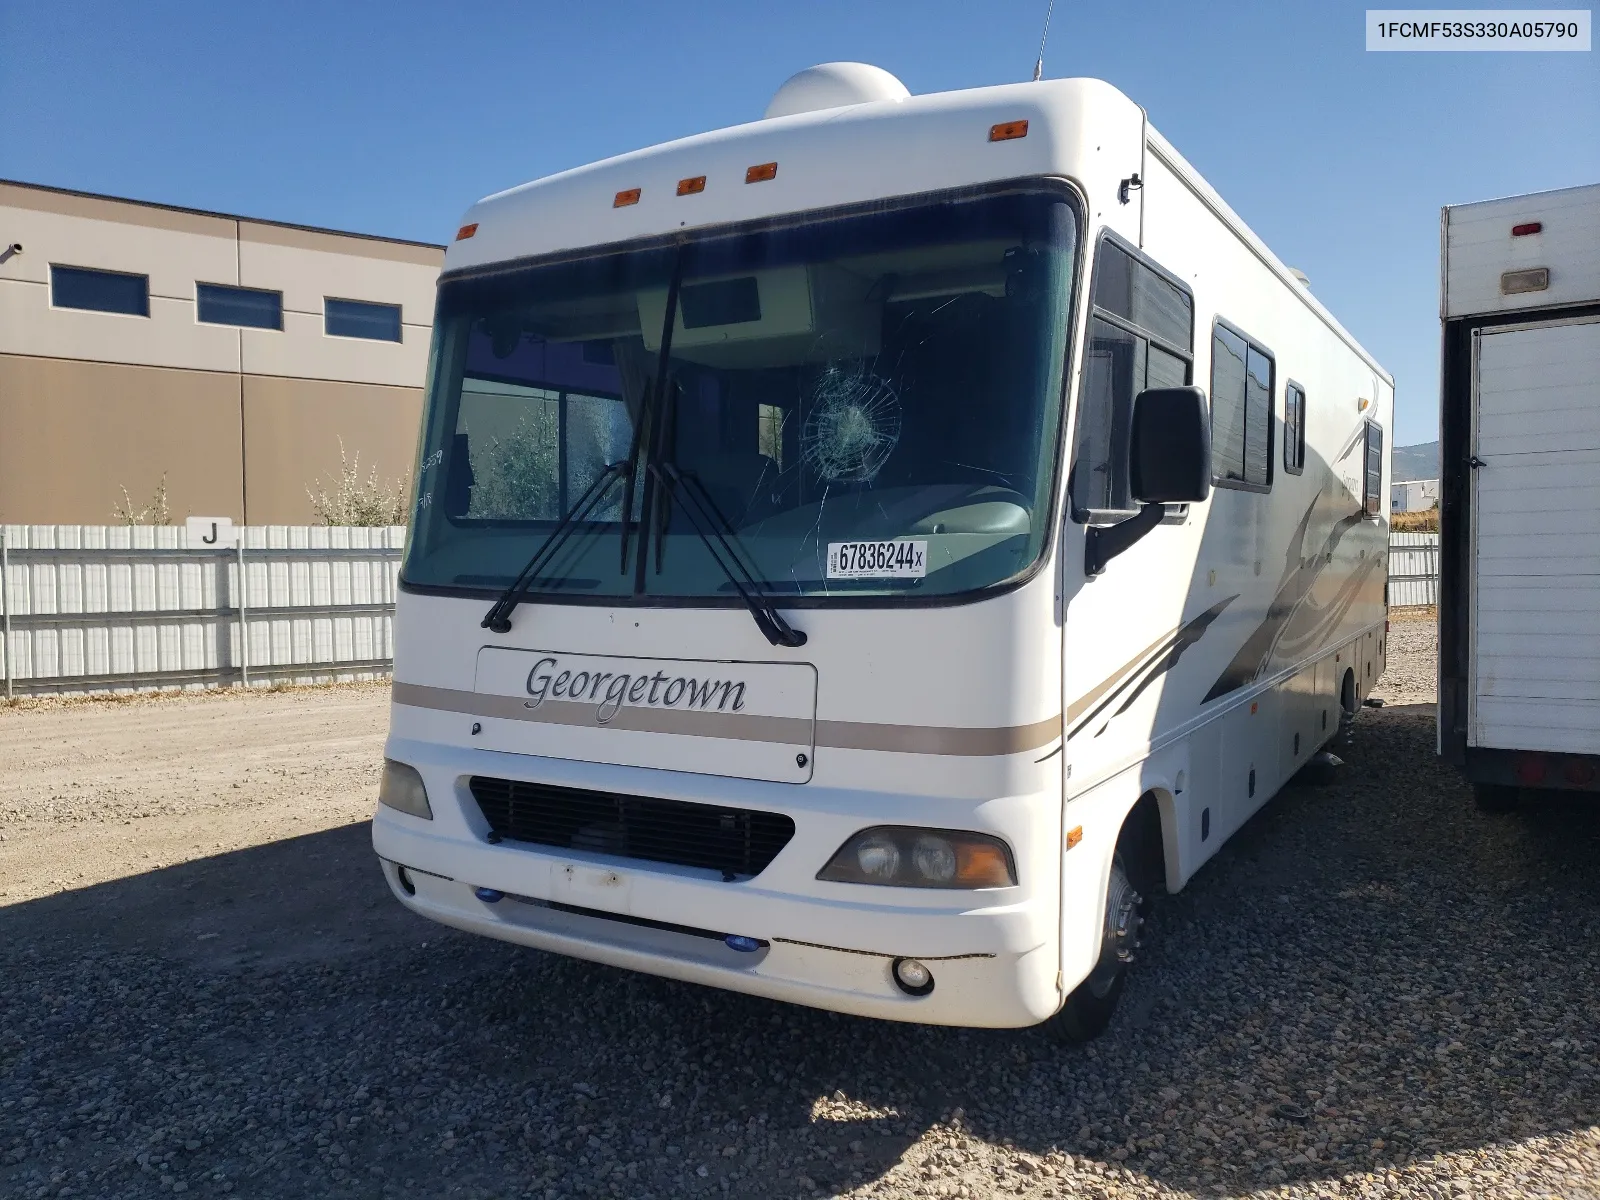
(877, 560)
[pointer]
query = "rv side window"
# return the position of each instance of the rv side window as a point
(1294, 429)
(1373, 500)
(1141, 336)
(1241, 411)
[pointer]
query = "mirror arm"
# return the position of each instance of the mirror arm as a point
(1101, 545)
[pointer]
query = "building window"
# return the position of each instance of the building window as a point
(218, 304)
(1294, 428)
(1141, 336)
(100, 291)
(1241, 411)
(1373, 500)
(360, 319)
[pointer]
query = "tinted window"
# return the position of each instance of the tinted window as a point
(360, 319)
(100, 291)
(1258, 418)
(1112, 365)
(1241, 411)
(1294, 429)
(1165, 369)
(1228, 351)
(219, 305)
(1127, 288)
(1144, 347)
(1373, 498)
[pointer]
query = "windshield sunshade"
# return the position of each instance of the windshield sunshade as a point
(869, 405)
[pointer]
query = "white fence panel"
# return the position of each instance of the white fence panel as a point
(1413, 568)
(120, 608)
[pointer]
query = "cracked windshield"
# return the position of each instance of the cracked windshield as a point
(859, 406)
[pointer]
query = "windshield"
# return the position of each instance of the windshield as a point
(869, 405)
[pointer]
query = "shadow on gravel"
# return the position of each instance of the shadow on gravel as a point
(1405, 975)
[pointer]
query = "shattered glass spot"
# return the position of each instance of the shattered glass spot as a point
(852, 426)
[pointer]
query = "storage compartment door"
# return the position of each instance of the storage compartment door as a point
(1534, 676)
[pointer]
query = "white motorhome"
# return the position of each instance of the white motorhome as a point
(827, 579)
(1519, 550)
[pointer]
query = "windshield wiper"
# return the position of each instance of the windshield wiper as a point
(498, 618)
(703, 512)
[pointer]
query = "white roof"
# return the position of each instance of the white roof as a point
(825, 159)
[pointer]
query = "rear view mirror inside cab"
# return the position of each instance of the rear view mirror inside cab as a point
(1169, 453)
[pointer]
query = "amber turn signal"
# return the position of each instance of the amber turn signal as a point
(1008, 131)
(625, 198)
(761, 172)
(982, 865)
(466, 231)
(692, 185)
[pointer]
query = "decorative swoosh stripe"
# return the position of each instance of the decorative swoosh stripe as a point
(1300, 575)
(1078, 706)
(1168, 650)
(794, 731)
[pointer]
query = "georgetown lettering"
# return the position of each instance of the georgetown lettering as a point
(611, 690)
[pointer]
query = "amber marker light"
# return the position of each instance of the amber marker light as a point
(761, 172)
(1074, 836)
(623, 199)
(1008, 131)
(466, 231)
(692, 186)
(982, 865)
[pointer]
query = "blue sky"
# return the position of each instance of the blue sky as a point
(392, 117)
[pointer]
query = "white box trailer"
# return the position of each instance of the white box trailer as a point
(1519, 412)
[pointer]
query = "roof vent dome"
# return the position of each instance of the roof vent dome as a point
(834, 85)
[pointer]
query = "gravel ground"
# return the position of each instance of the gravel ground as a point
(1372, 990)
(1411, 675)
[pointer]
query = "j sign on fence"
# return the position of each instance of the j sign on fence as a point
(115, 608)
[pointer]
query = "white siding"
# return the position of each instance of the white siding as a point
(1536, 517)
(1478, 248)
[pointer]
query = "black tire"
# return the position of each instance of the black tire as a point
(1089, 1008)
(1496, 797)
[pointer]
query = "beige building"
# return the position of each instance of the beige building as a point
(230, 355)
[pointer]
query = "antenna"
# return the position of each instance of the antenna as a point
(1038, 66)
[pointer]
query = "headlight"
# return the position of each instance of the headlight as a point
(899, 856)
(401, 789)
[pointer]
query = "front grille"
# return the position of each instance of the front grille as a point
(735, 841)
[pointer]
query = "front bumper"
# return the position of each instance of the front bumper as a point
(994, 955)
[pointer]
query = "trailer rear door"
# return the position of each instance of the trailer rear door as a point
(1535, 662)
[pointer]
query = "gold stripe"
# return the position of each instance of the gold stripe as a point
(1083, 702)
(938, 739)
(793, 731)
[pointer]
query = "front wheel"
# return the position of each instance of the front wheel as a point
(1088, 1009)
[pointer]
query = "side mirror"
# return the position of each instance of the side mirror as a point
(1169, 447)
(1169, 462)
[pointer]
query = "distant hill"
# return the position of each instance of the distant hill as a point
(1416, 462)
